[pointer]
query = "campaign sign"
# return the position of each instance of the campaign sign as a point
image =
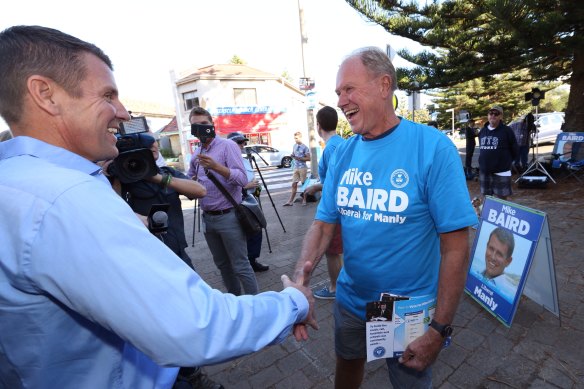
(501, 256)
(567, 146)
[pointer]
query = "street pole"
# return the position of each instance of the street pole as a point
(452, 110)
(312, 142)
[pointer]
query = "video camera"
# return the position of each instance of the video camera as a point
(135, 160)
(203, 131)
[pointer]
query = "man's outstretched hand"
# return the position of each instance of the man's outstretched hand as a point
(300, 330)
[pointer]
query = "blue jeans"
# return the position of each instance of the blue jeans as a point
(228, 245)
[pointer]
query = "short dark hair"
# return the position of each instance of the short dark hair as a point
(505, 237)
(29, 50)
(328, 118)
(200, 111)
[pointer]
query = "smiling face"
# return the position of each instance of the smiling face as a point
(363, 98)
(87, 122)
(497, 257)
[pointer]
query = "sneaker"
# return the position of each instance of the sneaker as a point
(325, 294)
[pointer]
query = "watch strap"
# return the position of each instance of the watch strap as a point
(443, 329)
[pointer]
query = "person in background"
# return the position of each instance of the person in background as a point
(223, 232)
(253, 187)
(90, 298)
(398, 191)
(326, 125)
(471, 133)
(300, 155)
(498, 151)
(523, 129)
(163, 188)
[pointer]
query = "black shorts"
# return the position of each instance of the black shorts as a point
(493, 184)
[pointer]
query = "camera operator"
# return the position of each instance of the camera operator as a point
(163, 188)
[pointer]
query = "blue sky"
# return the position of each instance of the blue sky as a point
(147, 39)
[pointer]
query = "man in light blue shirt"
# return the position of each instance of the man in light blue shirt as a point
(88, 297)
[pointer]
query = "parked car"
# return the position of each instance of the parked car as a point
(269, 156)
(549, 125)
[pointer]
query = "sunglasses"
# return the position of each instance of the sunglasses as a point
(494, 113)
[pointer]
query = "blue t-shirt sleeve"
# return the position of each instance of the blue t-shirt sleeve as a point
(450, 204)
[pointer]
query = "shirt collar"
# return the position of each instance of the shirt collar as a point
(24, 145)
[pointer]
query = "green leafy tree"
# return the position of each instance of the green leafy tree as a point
(486, 38)
(344, 128)
(478, 95)
(286, 75)
(236, 60)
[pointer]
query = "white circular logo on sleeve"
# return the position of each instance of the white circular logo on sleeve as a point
(399, 178)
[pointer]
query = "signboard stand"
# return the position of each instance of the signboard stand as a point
(512, 254)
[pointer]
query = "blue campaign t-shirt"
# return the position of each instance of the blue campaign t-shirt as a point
(393, 197)
(329, 150)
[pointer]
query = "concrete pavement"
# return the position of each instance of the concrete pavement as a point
(538, 351)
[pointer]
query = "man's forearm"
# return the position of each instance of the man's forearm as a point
(454, 248)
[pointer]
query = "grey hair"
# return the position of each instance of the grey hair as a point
(377, 63)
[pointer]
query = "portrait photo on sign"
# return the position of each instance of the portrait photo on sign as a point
(499, 260)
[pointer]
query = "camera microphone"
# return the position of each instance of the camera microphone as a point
(159, 218)
(158, 222)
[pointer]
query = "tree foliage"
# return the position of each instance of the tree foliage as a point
(237, 60)
(478, 95)
(529, 40)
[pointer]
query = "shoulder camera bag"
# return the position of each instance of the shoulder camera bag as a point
(248, 213)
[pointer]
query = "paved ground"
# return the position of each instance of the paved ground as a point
(538, 351)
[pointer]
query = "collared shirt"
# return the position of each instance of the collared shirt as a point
(227, 153)
(90, 299)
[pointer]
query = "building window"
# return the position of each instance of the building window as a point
(190, 100)
(244, 97)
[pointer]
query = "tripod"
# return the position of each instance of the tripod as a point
(195, 219)
(534, 164)
(253, 163)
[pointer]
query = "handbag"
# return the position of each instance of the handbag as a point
(249, 213)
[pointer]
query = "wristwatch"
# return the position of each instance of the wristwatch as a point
(445, 330)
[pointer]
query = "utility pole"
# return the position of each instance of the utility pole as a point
(452, 110)
(312, 143)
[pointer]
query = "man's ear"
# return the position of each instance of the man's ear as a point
(508, 261)
(42, 91)
(385, 85)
